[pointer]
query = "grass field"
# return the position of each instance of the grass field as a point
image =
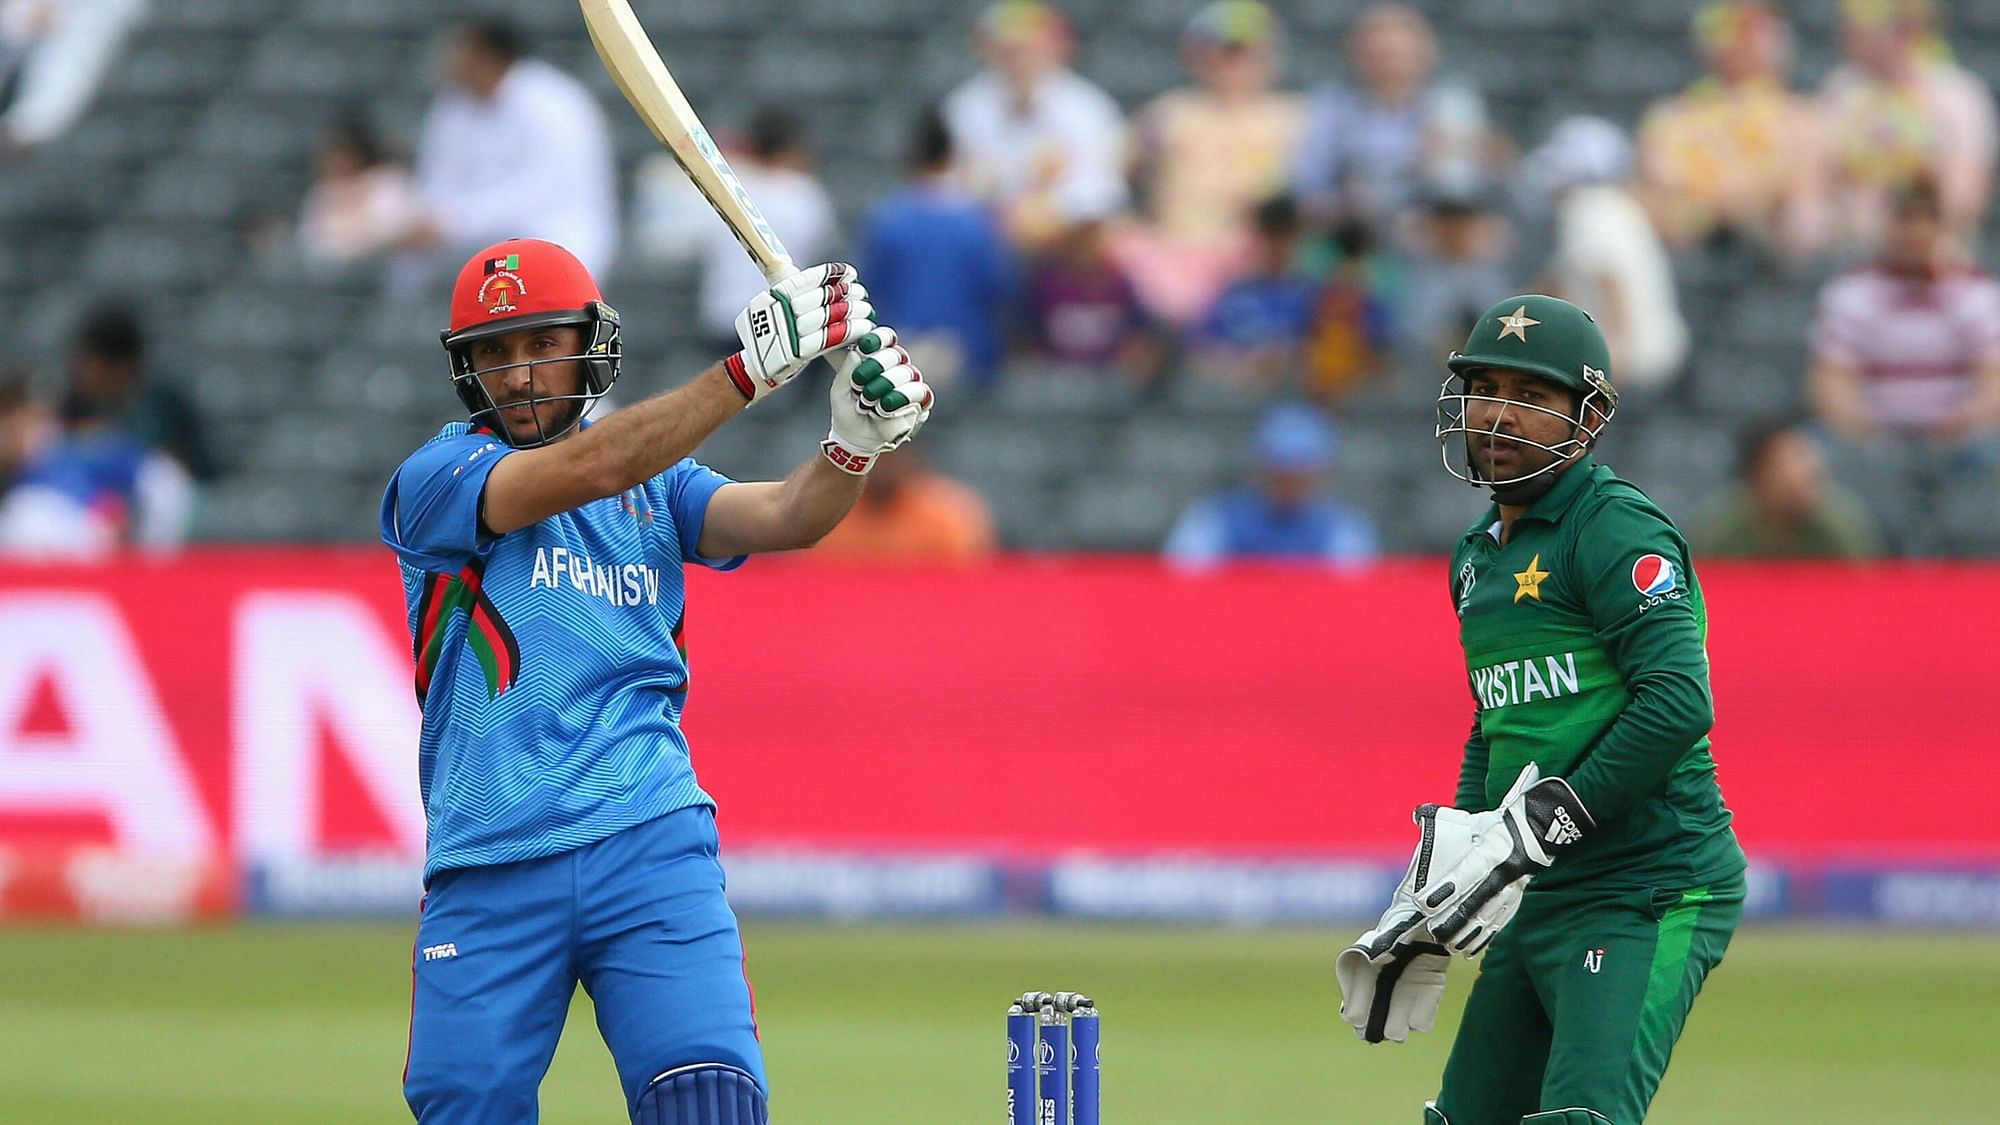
(301, 1024)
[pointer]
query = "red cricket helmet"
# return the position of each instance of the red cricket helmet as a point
(528, 283)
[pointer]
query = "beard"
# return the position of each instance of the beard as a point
(1523, 460)
(552, 418)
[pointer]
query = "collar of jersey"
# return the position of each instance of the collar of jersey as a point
(1553, 504)
(482, 428)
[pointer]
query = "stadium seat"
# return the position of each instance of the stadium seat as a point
(1659, 17)
(976, 449)
(1624, 67)
(1169, 447)
(1737, 385)
(361, 15)
(1035, 393)
(1519, 15)
(142, 257)
(219, 15)
(249, 133)
(1026, 515)
(1123, 514)
(1893, 478)
(164, 66)
(1132, 68)
(135, 135)
(324, 68)
(729, 17)
(863, 15)
(189, 191)
(1434, 512)
(1969, 513)
(1196, 395)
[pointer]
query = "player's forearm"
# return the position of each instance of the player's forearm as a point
(1670, 712)
(640, 442)
(815, 498)
(621, 452)
(787, 515)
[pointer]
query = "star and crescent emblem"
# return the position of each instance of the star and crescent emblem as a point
(1528, 583)
(1517, 324)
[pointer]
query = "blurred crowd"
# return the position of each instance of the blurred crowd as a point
(1295, 245)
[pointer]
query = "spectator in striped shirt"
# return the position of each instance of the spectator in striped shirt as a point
(1910, 345)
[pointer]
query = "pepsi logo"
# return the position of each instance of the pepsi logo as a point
(1653, 575)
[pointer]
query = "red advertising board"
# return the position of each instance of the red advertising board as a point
(257, 704)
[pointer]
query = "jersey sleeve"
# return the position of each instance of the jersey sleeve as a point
(430, 513)
(1471, 794)
(1639, 591)
(690, 486)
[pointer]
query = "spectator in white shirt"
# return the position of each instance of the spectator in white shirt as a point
(53, 55)
(1608, 258)
(514, 148)
(776, 169)
(1032, 137)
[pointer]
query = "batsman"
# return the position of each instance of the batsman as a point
(542, 555)
(1587, 852)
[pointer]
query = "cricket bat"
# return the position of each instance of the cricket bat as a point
(637, 68)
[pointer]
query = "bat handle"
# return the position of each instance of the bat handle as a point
(777, 269)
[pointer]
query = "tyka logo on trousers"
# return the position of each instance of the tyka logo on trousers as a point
(440, 952)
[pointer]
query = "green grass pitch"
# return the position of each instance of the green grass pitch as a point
(888, 1024)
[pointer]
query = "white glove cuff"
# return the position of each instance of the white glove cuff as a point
(845, 457)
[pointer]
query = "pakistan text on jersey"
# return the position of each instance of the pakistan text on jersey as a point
(627, 584)
(1525, 681)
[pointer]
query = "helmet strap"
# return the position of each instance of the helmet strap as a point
(1522, 493)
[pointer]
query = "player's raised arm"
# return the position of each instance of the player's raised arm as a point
(533, 345)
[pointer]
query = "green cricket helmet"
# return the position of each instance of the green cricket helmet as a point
(1545, 337)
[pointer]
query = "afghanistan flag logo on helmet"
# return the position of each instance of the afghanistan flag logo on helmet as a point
(501, 291)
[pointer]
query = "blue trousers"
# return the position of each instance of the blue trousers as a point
(637, 918)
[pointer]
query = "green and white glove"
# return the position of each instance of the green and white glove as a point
(1478, 865)
(879, 401)
(1392, 977)
(801, 318)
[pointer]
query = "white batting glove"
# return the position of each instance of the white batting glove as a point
(794, 322)
(1392, 977)
(1480, 864)
(879, 398)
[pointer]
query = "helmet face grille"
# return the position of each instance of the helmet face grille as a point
(601, 360)
(1453, 403)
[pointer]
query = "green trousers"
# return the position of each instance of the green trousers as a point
(1579, 1001)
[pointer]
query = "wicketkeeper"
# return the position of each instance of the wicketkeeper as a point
(1588, 852)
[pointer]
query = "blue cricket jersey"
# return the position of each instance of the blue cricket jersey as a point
(549, 668)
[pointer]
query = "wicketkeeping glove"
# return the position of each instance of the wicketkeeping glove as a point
(880, 400)
(1392, 977)
(794, 322)
(1479, 864)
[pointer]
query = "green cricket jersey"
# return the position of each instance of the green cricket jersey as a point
(1585, 645)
